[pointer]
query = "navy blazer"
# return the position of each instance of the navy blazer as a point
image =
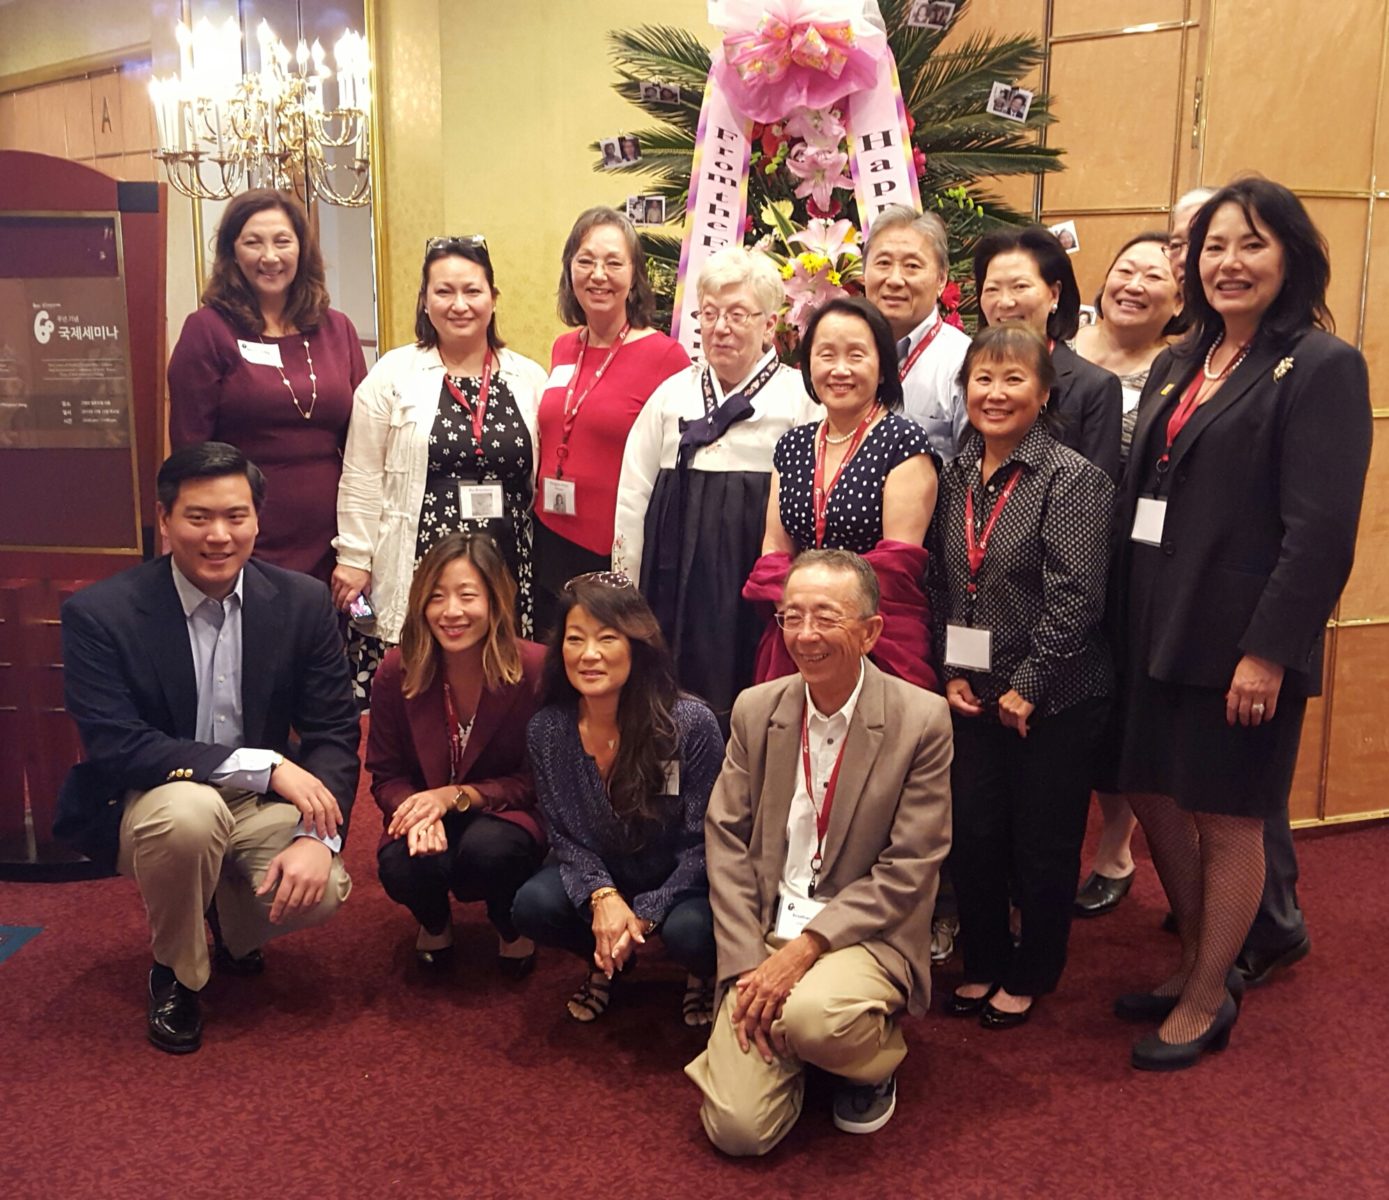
(1088, 402)
(1266, 486)
(129, 684)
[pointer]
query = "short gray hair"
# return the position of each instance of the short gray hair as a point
(1192, 199)
(927, 224)
(844, 560)
(737, 266)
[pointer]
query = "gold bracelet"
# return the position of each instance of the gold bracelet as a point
(461, 800)
(602, 893)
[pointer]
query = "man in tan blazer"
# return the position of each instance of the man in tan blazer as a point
(822, 889)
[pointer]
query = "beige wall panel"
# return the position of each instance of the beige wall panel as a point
(1375, 336)
(1359, 762)
(1342, 223)
(7, 123)
(27, 135)
(136, 167)
(1100, 238)
(1125, 148)
(40, 33)
(77, 118)
(1188, 156)
(1305, 797)
(108, 129)
(1367, 592)
(1273, 98)
(1088, 16)
(53, 137)
(137, 113)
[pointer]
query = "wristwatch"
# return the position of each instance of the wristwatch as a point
(276, 758)
(461, 800)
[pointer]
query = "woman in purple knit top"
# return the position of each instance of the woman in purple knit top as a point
(266, 365)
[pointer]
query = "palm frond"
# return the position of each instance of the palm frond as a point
(661, 52)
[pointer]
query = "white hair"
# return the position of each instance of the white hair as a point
(737, 266)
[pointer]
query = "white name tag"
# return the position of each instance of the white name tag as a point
(970, 649)
(479, 501)
(671, 787)
(1148, 521)
(793, 914)
(560, 376)
(557, 496)
(263, 354)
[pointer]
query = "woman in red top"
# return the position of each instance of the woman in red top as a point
(266, 365)
(601, 375)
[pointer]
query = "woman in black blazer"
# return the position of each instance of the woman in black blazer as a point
(1024, 275)
(1236, 528)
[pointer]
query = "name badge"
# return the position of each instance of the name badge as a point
(560, 376)
(793, 914)
(557, 496)
(263, 354)
(671, 787)
(1148, 521)
(479, 501)
(969, 649)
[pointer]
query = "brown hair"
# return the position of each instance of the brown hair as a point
(228, 290)
(474, 250)
(501, 657)
(641, 300)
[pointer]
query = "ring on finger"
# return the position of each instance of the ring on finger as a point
(1257, 708)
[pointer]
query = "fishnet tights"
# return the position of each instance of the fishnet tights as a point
(1212, 868)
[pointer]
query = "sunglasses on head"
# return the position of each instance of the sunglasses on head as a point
(612, 579)
(469, 241)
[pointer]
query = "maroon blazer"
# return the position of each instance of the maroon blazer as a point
(408, 743)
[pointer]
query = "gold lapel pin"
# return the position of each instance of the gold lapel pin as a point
(1167, 389)
(1283, 368)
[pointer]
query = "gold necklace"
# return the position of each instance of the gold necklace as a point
(313, 381)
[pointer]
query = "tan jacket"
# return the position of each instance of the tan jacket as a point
(889, 829)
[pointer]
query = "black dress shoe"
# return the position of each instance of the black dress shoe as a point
(1144, 1006)
(175, 1017)
(516, 969)
(1153, 1054)
(996, 1018)
(1258, 965)
(1100, 894)
(246, 966)
(968, 1006)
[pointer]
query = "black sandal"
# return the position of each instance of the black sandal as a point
(697, 1008)
(591, 1000)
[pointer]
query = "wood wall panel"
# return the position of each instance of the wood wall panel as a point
(1367, 593)
(1304, 801)
(1089, 16)
(1375, 338)
(1125, 148)
(1359, 762)
(1296, 108)
(1343, 224)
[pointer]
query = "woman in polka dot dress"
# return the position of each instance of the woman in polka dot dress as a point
(861, 479)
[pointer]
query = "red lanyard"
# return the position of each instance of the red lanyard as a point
(822, 814)
(1180, 416)
(455, 737)
(920, 348)
(820, 497)
(572, 406)
(478, 413)
(977, 550)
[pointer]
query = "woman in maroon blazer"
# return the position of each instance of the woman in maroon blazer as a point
(447, 750)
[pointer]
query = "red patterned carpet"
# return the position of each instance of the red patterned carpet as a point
(341, 1074)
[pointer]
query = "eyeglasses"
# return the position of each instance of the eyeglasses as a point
(612, 579)
(794, 621)
(613, 266)
(468, 241)
(737, 318)
(1177, 245)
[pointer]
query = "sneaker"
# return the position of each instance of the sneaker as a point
(943, 931)
(864, 1107)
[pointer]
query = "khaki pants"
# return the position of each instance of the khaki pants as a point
(839, 1017)
(185, 844)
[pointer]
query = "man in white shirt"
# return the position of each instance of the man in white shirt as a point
(185, 676)
(906, 263)
(824, 836)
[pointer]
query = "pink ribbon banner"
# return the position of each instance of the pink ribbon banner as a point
(880, 155)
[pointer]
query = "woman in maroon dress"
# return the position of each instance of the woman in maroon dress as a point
(266, 365)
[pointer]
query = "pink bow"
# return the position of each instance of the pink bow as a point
(768, 53)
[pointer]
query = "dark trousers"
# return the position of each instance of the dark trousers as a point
(1019, 820)
(1278, 923)
(487, 859)
(544, 912)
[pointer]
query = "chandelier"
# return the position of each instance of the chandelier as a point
(222, 130)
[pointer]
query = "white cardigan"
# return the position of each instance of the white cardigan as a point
(386, 465)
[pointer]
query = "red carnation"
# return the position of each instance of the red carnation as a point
(919, 161)
(828, 214)
(771, 140)
(950, 297)
(748, 224)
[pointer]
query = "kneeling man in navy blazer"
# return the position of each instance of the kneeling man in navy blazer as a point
(185, 676)
(824, 838)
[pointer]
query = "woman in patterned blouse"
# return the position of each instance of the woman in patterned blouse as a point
(442, 440)
(623, 767)
(1022, 532)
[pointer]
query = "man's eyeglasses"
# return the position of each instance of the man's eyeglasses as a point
(612, 579)
(737, 318)
(468, 241)
(794, 621)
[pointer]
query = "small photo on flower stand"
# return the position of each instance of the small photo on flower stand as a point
(931, 14)
(651, 91)
(612, 154)
(636, 209)
(670, 93)
(655, 213)
(1009, 102)
(1066, 234)
(630, 148)
(1088, 315)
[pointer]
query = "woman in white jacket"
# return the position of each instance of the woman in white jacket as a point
(442, 439)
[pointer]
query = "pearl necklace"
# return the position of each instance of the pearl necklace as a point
(842, 438)
(313, 381)
(1234, 362)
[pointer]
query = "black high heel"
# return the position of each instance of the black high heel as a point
(1153, 1054)
(968, 1006)
(1146, 1007)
